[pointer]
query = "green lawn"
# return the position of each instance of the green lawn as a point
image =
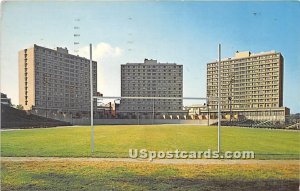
(146, 176)
(114, 141)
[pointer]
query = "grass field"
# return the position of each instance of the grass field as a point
(114, 141)
(146, 176)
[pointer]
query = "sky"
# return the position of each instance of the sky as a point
(186, 33)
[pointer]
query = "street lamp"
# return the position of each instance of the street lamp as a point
(207, 105)
(230, 96)
(230, 107)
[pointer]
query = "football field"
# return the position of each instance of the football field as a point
(115, 141)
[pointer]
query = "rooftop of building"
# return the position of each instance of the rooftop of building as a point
(150, 62)
(60, 50)
(246, 54)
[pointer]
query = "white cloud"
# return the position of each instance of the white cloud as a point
(109, 59)
(101, 51)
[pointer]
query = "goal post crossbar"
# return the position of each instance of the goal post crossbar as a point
(156, 98)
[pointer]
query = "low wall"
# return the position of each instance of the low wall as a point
(140, 121)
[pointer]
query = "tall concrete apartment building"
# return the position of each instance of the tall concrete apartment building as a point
(151, 79)
(251, 86)
(54, 80)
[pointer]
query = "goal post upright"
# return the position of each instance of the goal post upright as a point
(92, 100)
(219, 98)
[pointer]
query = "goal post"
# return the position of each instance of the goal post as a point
(158, 98)
(151, 110)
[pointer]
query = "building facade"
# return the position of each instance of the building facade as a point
(5, 100)
(251, 86)
(54, 80)
(151, 79)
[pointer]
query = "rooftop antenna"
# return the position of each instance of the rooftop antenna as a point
(130, 41)
(76, 35)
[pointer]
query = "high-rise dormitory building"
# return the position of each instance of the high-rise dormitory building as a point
(151, 79)
(54, 80)
(253, 82)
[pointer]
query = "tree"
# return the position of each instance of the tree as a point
(20, 107)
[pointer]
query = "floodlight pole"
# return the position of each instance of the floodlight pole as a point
(92, 100)
(219, 98)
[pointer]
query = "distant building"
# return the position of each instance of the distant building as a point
(5, 100)
(151, 79)
(195, 111)
(54, 80)
(251, 86)
(107, 110)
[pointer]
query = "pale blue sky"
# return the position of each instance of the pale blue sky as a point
(183, 32)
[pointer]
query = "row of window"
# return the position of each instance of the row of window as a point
(149, 108)
(254, 75)
(151, 70)
(146, 93)
(158, 66)
(236, 106)
(26, 79)
(151, 74)
(60, 64)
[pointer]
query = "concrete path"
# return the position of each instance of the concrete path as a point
(156, 161)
